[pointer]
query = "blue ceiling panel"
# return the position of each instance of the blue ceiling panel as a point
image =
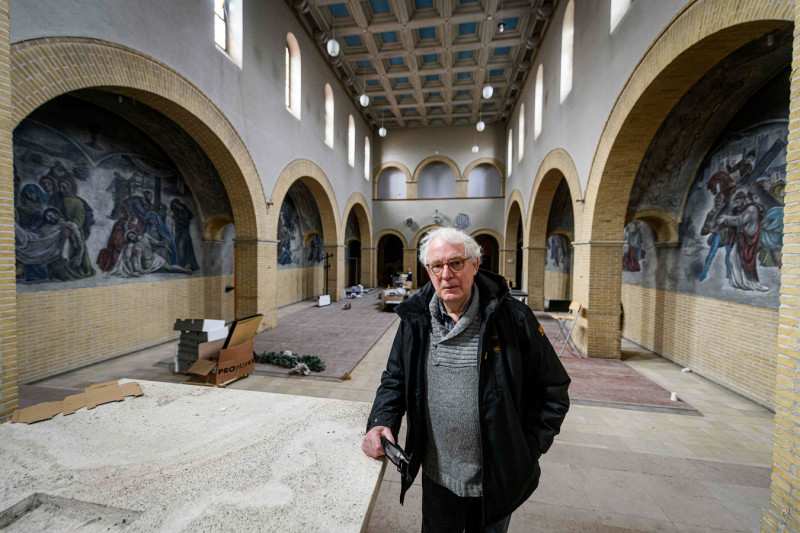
(339, 10)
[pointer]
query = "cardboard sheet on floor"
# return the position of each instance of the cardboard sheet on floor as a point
(37, 413)
(74, 402)
(91, 397)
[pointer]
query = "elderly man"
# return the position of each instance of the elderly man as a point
(484, 392)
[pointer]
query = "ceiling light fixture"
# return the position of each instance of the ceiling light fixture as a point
(501, 27)
(475, 149)
(382, 131)
(333, 45)
(480, 126)
(363, 99)
(487, 91)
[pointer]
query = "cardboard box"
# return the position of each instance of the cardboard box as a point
(228, 365)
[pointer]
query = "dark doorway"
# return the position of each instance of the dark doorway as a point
(390, 259)
(518, 270)
(490, 253)
(353, 263)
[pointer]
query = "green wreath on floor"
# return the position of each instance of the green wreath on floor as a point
(287, 359)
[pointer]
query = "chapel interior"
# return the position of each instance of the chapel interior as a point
(226, 158)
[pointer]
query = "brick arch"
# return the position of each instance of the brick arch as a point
(358, 204)
(215, 225)
(42, 69)
(390, 164)
(485, 161)
(664, 224)
(557, 165)
(312, 176)
(492, 233)
(382, 233)
(695, 41)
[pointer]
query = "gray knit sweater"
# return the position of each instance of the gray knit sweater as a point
(453, 452)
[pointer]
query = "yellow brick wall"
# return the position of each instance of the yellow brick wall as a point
(62, 330)
(296, 284)
(557, 285)
(730, 343)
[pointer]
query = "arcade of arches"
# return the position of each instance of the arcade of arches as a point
(672, 233)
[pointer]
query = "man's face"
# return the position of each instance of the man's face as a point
(64, 188)
(453, 288)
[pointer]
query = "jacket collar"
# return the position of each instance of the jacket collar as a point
(492, 289)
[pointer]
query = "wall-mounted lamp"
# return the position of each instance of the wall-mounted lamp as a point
(437, 218)
(409, 222)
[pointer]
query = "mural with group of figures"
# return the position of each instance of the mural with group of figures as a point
(99, 202)
(731, 222)
(560, 225)
(299, 230)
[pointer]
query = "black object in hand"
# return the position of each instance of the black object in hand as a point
(397, 456)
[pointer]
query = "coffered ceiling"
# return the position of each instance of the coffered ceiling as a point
(425, 62)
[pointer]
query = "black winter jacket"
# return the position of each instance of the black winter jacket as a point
(522, 392)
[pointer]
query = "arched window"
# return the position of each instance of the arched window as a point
(618, 10)
(391, 184)
(521, 134)
(228, 28)
(221, 34)
(484, 181)
(437, 180)
(509, 151)
(292, 75)
(567, 39)
(537, 102)
(366, 158)
(328, 115)
(351, 142)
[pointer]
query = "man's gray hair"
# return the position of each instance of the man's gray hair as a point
(450, 235)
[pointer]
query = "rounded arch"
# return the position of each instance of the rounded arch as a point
(312, 176)
(486, 231)
(358, 205)
(382, 233)
(436, 159)
(556, 165)
(664, 224)
(697, 39)
(215, 225)
(487, 161)
(421, 233)
(514, 210)
(376, 174)
(42, 69)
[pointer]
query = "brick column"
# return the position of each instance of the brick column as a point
(411, 190)
(256, 276)
(536, 258)
(783, 513)
(410, 263)
(368, 267)
(336, 271)
(509, 270)
(9, 388)
(597, 275)
(461, 188)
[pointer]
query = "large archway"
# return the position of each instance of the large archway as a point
(43, 69)
(358, 211)
(390, 256)
(511, 256)
(491, 243)
(314, 179)
(699, 38)
(556, 167)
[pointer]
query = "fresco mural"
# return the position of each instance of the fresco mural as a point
(98, 202)
(561, 218)
(558, 255)
(299, 221)
(731, 234)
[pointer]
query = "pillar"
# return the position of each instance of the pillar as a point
(410, 263)
(783, 513)
(9, 384)
(597, 285)
(336, 271)
(255, 279)
(536, 259)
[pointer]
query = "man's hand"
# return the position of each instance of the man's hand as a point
(372, 441)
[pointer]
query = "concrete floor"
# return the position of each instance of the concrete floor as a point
(610, 469)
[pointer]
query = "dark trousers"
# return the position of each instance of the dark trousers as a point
(444, 512)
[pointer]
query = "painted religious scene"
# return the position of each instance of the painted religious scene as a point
(299, 230)
(731, 223)
(99, 202)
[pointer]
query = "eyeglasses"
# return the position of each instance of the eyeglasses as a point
(455, 265)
